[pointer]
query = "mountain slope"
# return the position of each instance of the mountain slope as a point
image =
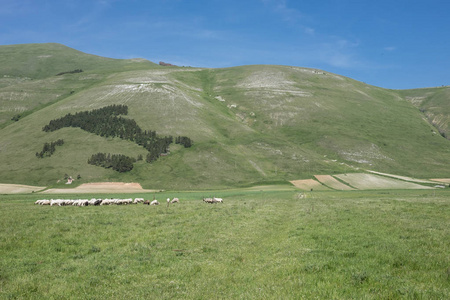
(37, 61)
(250, 125)
(435, 104)
(29, 81)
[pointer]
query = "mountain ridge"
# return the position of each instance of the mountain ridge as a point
(250, 124)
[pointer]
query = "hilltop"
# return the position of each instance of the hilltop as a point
(250, 125)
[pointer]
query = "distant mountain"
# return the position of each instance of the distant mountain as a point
(249, 125)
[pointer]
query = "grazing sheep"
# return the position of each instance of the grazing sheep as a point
(95, 202)
(42, 202)
(57, 202)
(138, 200)
(124, 201)
(217, 200)
(154, 202)
(107, 202)
(175, 200)
(213, 200)
(147, 202)
(208, 200)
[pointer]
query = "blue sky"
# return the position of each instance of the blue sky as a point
(395, 44)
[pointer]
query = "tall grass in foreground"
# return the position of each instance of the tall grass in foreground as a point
(257, 245)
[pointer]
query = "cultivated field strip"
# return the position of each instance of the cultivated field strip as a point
(309, 184)
(365, 181)
(403, 177)
(333, 183)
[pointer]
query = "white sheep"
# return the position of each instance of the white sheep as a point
(57, 202)
(154, 202)
(124, 201)
(175, 200)
(217, 200)
(138, 200)
(42, 202)
(107, 202)
(208, 200)
(94, 201)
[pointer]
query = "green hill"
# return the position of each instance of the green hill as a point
(250, 124)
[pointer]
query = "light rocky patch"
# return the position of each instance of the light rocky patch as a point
(416, 101)
(257, 168)
(277, 93)
(269, 149)
(364, 154)
(363, 93)
(266, 79)
(282, 118)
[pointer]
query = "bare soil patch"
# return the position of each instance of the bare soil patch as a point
(309, 184)
(18, 188)
(102, 187)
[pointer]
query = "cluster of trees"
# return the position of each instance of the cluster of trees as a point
(70, 72)
(49, 148)
(106, 122)
(183, 140)
(16, 118)
(117, 162)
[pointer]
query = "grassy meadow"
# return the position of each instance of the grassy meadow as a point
(258, 244)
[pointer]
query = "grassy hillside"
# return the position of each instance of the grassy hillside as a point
(29, 81)
(37, 61)
(250, 125)
(435, 104)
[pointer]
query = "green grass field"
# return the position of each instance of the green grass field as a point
(258, 244)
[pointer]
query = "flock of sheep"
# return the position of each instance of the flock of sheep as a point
(113, 201)
(94, 201)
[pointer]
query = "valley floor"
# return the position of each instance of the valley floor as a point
(257, 244)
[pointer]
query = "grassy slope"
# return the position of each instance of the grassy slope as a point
(256, 245)
(435, 104)
(276, 124)
(37, 61)
(28, 80)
